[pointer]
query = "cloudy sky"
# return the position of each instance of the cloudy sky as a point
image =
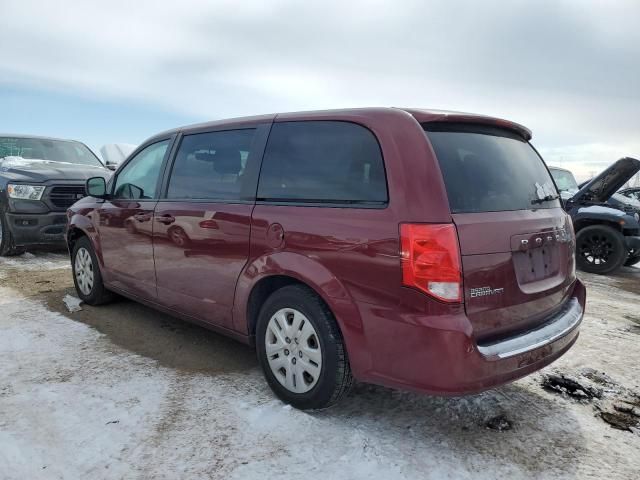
(120, 71)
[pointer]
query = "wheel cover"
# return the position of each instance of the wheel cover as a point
(83, 270)
(178, 237)
(293, 350)
(597, 249)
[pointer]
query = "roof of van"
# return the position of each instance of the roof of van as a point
(421, 115)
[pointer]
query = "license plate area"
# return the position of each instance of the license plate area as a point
(538, 257)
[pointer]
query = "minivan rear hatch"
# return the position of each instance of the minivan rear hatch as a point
(515, 239)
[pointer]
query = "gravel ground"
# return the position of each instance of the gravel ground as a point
(122, 391)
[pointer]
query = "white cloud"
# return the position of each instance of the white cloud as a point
(586, 161)
(568, 70)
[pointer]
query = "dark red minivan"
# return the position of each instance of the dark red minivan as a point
(411, 248)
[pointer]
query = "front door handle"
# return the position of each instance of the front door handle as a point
(142, 217)
(166, 219)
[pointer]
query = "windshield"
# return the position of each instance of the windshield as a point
(45, 149)
(488, 169)
(565, 180)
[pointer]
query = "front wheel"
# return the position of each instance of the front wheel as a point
(86, 274)
(7, 245)
(600, 249)
(301, 350)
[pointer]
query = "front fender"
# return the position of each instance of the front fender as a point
(82, 221)
(598, 213)
(322, 281)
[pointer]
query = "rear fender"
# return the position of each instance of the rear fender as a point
(318, 278)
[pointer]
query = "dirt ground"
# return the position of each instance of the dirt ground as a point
(122, 391)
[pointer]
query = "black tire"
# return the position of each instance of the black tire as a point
(98, 294)
(7, 244)
(600, 249)
(631, 261)
(335, 378)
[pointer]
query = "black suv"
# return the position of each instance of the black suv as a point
(39, 179)
(606, 223)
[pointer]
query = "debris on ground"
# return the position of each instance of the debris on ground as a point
(572, 387)
(499, 423)
(620, 420)
(627, 408)
(598, 377)
(72, 303)
(633, 318)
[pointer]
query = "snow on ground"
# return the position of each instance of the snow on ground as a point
(37, 261)
(74, 404)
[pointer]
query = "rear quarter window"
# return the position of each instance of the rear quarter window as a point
(487, 169)
(322, 162)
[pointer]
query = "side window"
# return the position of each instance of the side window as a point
(211, 165)
(322, 161)
(139, 178)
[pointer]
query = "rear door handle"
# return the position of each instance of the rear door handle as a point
(166, 219)
(142, 217)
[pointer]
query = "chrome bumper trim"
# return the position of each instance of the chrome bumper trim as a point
(557, 327)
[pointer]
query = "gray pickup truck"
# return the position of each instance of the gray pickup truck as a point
(39, 179)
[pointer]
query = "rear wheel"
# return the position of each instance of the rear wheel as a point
(600, 249)
(301, 350)
(86, 274)
(7, 245)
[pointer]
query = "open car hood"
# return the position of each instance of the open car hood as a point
(600, 188)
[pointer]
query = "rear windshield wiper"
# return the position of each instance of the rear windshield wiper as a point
(548, 198)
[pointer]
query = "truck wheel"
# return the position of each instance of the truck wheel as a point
(600, 249)
(301, 350)
(631, 261)
(86, 274)
(7, 246)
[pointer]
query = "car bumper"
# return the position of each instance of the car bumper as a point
(30, 229)
(448, 361)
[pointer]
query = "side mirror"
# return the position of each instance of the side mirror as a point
(96, 187)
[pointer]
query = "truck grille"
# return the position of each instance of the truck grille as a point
(65, 196)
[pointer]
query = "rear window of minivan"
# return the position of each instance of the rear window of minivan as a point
(326, 162)
(490, 169)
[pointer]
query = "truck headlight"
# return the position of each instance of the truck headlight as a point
(25, 192)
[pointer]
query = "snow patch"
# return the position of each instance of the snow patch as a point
(37, 261)
(72, 303)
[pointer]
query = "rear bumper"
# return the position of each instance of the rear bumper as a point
(443, 358)
(29, 229)
(557, 327)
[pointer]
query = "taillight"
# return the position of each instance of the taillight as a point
(431, 260)
(572, 242)
(212, 224)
